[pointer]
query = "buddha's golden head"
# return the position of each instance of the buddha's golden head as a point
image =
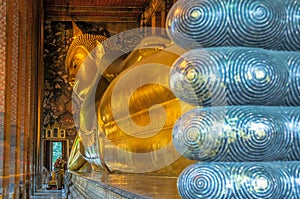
(80, 62)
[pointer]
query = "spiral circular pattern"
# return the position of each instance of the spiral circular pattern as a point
(198, 77)
(192, 23)
(203, 181)
(260, 180)
(233, 76)
(196, 135)
(260, 134)
(256, 77)
(256, 23)
(291, 36)
(238, 133)
(293, 61)
(294, 124)
(252, 23)
(249, 180)
(294, 168)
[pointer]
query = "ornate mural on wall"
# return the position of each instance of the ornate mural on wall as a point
(57, 99)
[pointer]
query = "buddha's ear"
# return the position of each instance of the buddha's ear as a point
(100, 49)
(99, 52)
(76, 30)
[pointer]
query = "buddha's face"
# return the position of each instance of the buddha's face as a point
(81, 64)
(81, 71)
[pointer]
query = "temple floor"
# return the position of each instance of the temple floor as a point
(103, 185)
(48, 194)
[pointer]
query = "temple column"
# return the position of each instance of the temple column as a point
(18, 55)
(6, 97)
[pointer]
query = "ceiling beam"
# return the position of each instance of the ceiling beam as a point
(93, 18)
(93, 13)
(109, 9)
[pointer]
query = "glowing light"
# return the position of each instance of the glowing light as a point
(196, 14)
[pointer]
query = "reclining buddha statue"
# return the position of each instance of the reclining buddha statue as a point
(240, 74)
(127, 110)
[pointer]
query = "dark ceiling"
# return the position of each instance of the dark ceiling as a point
(95, 10)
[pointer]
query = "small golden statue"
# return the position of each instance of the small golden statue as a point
(127, 111)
